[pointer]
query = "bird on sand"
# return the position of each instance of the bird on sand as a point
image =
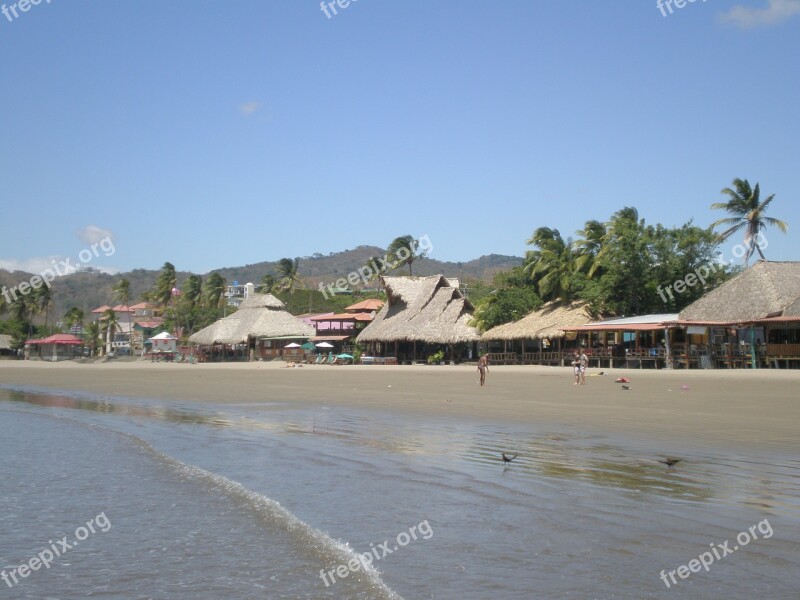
(626, 387)
(670, 462)
(508, 459)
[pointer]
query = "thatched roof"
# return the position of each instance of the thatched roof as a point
(260, 315)
(547, 322)
(5, 342)
(767, 289)
(424, 309)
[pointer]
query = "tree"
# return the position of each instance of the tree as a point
(267, 283)
(513, 298)
(553, 266)
(214, 290)
(166, 282)
(43, 302)
(405, 249)
(748, 213)
(588, 246)
(110, 322)
(288, 277)
(74, 316)
(92, 336)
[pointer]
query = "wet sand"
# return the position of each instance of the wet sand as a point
(673, 411)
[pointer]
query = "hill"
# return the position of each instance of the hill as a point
(89, 288)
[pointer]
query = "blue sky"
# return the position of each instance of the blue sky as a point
(215, 134)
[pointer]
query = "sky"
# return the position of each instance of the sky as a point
(218, 133)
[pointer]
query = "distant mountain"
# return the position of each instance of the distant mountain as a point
(89, 289)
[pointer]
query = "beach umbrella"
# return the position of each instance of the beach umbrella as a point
(350, 356)
(308, 346)
(324, 345)
(292, 345)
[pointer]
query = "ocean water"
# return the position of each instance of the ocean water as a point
(257, 500)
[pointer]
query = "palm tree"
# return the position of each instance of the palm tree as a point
(373, 267)
(109, 319)
(287, 273)
(214, 290)
(122, 294)
(748, 210)
(554, 265)
(588, 246)
(267, 283)
(167, 279)
(43, 302)
(92, 334)
(74, 316)
(404, 249)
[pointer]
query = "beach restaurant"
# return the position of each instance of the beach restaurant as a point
(539, 337)
(261, 329)
(750, 321)
(422, 317)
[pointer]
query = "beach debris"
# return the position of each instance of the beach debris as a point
(622, 380)
(508, 459)
(670, 462)
(685, 387)
(626, 387)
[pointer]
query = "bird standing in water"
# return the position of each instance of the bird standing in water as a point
(670, 462)
(508, 459)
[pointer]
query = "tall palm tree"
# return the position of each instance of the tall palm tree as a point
(92, 336)
(110, 322)
(748, 211)
(214, 290)
(167, 279)
(288, 277)
(43, 302)
(404, 251)
(122, 295)
(555, 266)
(588, 246)
(74, 316)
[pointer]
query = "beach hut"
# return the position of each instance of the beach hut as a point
(537, 338)
(60, 346)
(750, 320)
(259, 329)
(422, 315)
(6, 351)
(163, 344)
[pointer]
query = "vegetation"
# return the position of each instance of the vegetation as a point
(403, 251)
(748, 210)
(288, 275)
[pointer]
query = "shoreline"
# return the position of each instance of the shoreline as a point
(675, 410)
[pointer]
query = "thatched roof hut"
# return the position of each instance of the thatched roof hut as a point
(422, 309)
(259, 316)
(547, 322)
(767, 289)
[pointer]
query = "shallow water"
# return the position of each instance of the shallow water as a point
(254, 500)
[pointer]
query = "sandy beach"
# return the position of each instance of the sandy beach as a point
(678, 409)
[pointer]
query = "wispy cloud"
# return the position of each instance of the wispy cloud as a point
(92, 234)
(776, 11)
(248, 108)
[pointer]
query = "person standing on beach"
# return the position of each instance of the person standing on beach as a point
(576, 367)
(583, 362)
(483, 367)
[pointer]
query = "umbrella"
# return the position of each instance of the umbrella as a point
(324, 345)
(292, 345)
(308, 346)
(350, 356)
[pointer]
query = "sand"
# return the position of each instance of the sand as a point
(674, 411)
